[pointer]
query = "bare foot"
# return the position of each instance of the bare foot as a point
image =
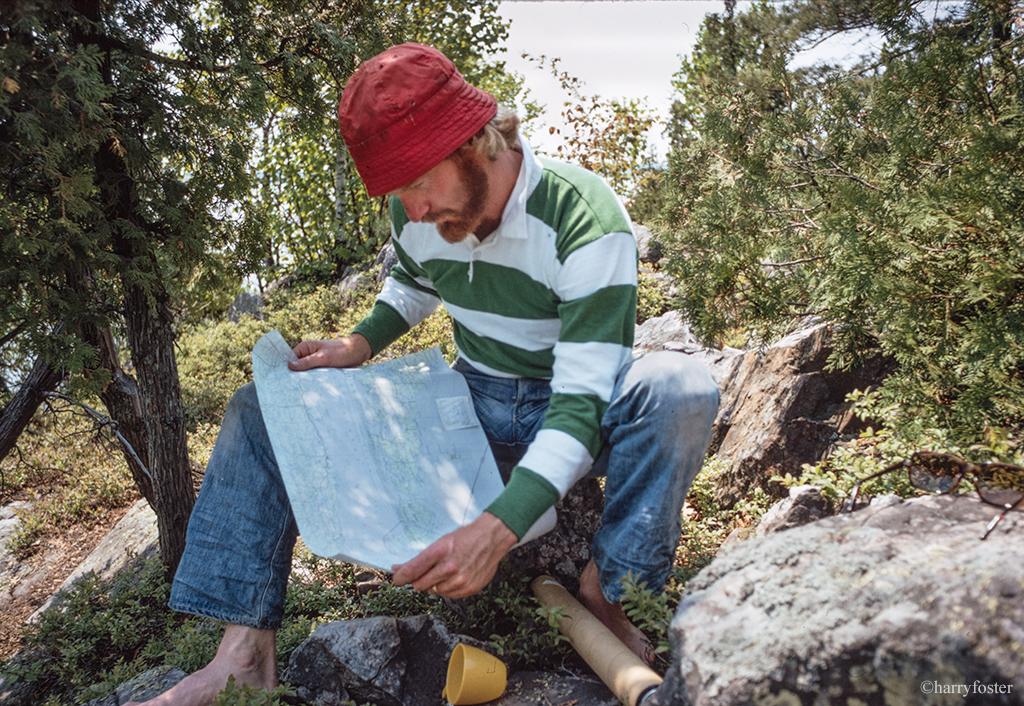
(612, 615)
(247, 653)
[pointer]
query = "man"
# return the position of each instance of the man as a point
(536, 263)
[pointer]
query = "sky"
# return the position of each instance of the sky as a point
(619, 49)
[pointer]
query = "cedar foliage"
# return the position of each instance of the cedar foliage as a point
(130, 192)
(884, 199)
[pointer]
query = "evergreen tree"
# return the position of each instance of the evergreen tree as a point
(123, 168)
(883, 199)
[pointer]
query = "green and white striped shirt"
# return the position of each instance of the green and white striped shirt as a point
(550, 294)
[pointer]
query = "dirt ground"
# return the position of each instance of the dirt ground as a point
(63, 550)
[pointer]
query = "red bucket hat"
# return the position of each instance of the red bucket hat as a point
(404, 111)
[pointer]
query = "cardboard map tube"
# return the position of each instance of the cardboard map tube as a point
(628, 676)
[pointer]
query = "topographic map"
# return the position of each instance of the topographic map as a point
(378, 461)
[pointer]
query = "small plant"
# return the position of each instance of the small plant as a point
(651, 612)
(94, 628)
(75, 472)
(31, 526)
(521, 630)
(651, 300)
(705, 525)
(249, 696)
(401, 602)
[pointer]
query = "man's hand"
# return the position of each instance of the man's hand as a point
(462, 562)
(349, 352)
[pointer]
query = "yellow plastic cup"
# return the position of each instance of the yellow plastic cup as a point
(474, 677)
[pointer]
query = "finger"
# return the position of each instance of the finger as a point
(306, 348)
(433, 581)
(314, 360)
(311, 356)
(425, 570)
(411, 571)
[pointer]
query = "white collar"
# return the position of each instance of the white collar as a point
(513, 218)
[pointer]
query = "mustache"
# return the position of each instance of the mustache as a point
(435, 216)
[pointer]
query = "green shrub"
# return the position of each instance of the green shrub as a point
(31, 526)
(316, 314)
(651, 300)
(876, 448)
(215, 358)
(93, 628)
(705, 525)
(885, 202)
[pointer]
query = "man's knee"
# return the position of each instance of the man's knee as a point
(244, 401)
(243, 411)
(677, 381)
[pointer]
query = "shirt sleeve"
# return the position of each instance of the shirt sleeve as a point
(408, 297)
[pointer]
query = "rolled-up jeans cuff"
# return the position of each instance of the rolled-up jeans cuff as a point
(228, 617)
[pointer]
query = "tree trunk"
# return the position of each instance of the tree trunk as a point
(121, 398)
(151, 337)
(18, 413)
(149, 323)
(342, 233)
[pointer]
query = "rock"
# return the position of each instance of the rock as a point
(386, 259)
(650, 250)
(350, 287)
(669, 332)
(133, 537)
(781, 409)
(404, 662)
(245, 304)
(9, 520)
(147, 685)
(20, 577)
(280, 284)
(804, 504)
(889, 605)
(379, 660)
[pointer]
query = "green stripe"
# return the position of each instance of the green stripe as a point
(382, 326)
(526, 497)
(577, 205)
(607, 316)
(397, 214)
(579, 416)
(402, 276)
(502, 356)
(495, 289)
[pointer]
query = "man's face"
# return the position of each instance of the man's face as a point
(452, 196)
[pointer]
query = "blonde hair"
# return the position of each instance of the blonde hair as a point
(501, 133)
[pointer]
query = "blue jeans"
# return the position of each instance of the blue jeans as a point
(656, 430)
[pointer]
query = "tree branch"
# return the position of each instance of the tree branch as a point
(137, 49)
(792, 263)
(104, 421)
